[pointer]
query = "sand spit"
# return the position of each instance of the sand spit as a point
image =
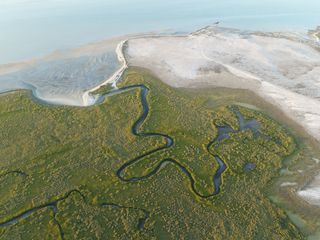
(89, 99)
(69, 77)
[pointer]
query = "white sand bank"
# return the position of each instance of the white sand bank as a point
(282, 68)
(312, 192)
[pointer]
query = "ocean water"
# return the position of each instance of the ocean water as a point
(32, 28)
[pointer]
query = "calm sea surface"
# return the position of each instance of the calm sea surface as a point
(31, 28)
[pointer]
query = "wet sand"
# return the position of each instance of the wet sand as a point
(65, 77)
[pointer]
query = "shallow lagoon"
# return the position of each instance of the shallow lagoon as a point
(31, 28)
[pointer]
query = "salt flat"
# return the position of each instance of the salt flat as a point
(283, 68)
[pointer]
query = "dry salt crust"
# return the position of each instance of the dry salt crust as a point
(283, 68)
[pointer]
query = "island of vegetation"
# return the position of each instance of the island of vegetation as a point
(148, 161)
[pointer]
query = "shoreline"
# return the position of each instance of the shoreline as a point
(72, 97)
(88, 99)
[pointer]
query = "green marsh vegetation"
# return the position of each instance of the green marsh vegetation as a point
(58, 168)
